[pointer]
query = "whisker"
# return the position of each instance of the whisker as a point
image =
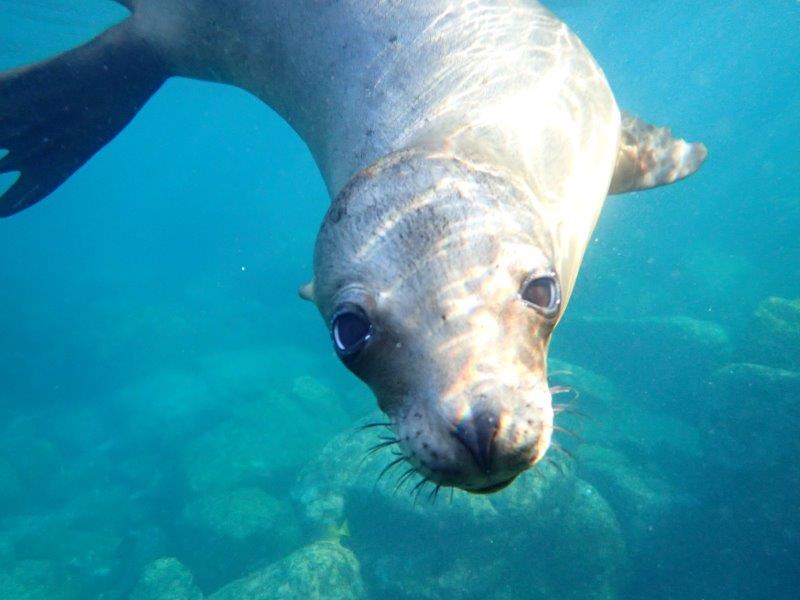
(566, 409)
(373, 425)
(380, 446)
(569, 432)
(555, 465)
(415, 491)
(570, 413)
(434, 494)
(362, 428)
(388, 468)
(403, 478)
(555, 390)
(376, 448)
(560, 390)
(559, 448)
(562, 372)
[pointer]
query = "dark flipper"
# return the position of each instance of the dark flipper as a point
(55, 115)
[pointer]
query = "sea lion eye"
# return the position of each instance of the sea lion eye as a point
(543, 293)
(350, 330)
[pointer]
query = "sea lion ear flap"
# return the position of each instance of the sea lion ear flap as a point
(649, 157)
(307, 291)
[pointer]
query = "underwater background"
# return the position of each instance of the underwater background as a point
(174, 423)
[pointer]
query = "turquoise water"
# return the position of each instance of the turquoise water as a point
(165, 395)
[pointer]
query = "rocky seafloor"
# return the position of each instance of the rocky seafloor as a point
(243, 475)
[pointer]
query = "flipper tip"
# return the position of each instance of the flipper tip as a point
(688, 157)
(650, 157)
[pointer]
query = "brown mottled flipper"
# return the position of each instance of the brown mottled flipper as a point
(649, 157)
(56, 114)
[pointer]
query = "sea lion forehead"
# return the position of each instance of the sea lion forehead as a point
(433, 212)
(406, 184)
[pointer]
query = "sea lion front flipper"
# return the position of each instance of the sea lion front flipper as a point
(56, 114)
(649, 157)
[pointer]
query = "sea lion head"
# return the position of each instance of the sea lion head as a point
(437, 280)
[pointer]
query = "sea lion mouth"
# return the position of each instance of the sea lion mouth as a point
(491, 489)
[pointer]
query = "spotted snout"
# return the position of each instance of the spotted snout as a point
(481, 447)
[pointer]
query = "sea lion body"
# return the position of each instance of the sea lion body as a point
(468, 148)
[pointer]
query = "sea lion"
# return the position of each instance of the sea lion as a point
(468, 148)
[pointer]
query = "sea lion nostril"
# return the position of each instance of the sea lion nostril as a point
(477, 433)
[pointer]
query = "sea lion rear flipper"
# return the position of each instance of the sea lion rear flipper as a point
(649, 157)
(56, 114)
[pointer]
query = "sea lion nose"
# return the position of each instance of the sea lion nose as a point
(477, 433)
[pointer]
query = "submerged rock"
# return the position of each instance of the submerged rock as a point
(88, 554)
(598, 413)
(36, 461)
(465, 546)
(131, 334)
(250, 373)
(775, 333)
(264, 439)
(12, 492)
(713, 271)
(166, 579)
(587, 391)
(627, 451)
(641, 496)
(242, 515)
(36, 580)
(665, 361)
(260, 442)
(609, 417)
(167, 404)
(322, 571)
(229, 532)
(751, 421)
